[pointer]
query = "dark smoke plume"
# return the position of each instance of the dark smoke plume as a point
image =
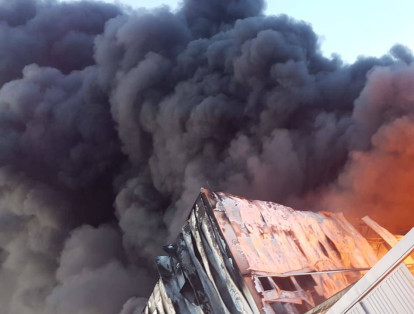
(112, 120)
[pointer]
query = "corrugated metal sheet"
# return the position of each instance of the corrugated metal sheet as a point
(274, 241)
(272, 238)
(358, 309)
(395, 294)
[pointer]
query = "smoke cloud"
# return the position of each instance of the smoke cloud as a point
(378, 179)
(111, 120)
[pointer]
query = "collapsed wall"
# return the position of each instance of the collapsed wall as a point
(236, 255)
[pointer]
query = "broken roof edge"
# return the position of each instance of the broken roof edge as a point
(304, 272)
(212, 197)
(209, 199)
(188, 276)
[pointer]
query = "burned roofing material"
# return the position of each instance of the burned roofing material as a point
(200, 276)
(242, 256)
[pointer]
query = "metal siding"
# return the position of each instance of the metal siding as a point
(395, 294)
(357, 309)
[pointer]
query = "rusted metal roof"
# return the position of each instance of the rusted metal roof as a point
(236, 255)
(274, 241)
(271, 238)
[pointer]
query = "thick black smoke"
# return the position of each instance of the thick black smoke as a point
(112, 120)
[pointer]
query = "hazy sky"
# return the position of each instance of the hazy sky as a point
(349, 28)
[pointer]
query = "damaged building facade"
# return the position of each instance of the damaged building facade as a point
(236, 255)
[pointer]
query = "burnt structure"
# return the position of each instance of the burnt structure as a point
(236, 255)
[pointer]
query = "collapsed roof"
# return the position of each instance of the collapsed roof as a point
(236, 255)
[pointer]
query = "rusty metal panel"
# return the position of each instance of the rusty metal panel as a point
(276, 239)
(268, 238)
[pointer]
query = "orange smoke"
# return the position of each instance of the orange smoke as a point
(378, 179)
(380, 182)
